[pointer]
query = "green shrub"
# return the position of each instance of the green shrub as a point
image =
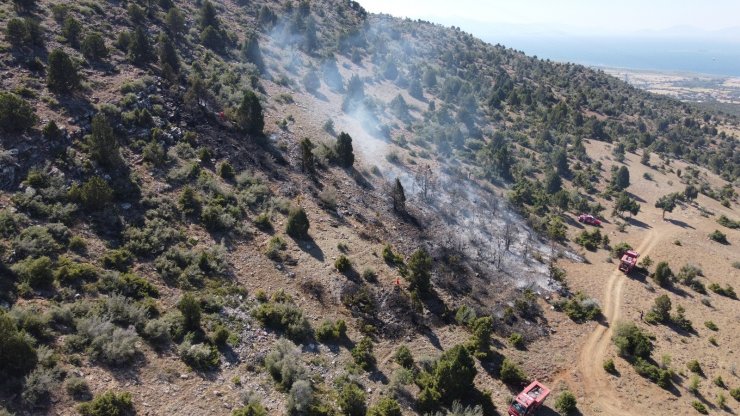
(284, 317)
(38, 385)
(216, 218)
(393, 259)
(71, 29)
(251, 409)
(362, 353)
(9, 223)
(69, 271)
(157, 331)
(726, 222)
(77, 244)
(693, 386)
(37, 241)
(661, 377)
(93, 47)
(61, 72)
(609, 366)
(102, 143)
(719, 382)
(108, 404)
(719, 237)
(188, 202)
(77, 387)
(516, 340)
(403, 357)
(17, 355)
(343, 264)
(580, 308)
(226, 171)
(297, 226)
(95, 194)
(331, 331)
(153, 152)
(631, 341)
(16, 114)
(107, 342)
(190, 309)
(220, 335)
(128, 285)
(694, 367)
(727, 291)
(36, 272)
(735, 393)
(140, 50)
(619, 249)
(699, 406)
(249, 117)
(511, 373)
(663, 274)
(589, 240)
(351, 400)
(283, 363)
(199, 356)
(385, 407)
(118, 259)
(565, 403)
(419, 271)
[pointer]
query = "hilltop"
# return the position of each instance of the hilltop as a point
(247, 207)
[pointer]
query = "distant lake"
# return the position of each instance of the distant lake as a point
(701, 56)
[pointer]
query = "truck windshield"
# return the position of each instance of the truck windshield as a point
(518, 407)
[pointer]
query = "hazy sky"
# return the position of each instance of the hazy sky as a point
(574, 16)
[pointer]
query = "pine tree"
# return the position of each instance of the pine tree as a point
(16, 114)
(252, 52)
(398, 196)
(139, 49)
(249, 115)
(71, 31)
(307, 158)
(344, 150)
(93, 47)
(61, 75)
(102, 143)
(168, 59)
(297, 226)
(419, 271)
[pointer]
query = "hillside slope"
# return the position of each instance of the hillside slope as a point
(301, 208)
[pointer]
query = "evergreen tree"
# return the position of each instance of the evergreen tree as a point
(71, 31)
(17, 355)
(16, 115)
(252, 52)
(297, 226)
(139, 49)
(307, 159)
(249, 115)
(190, 309)
(398, 196)
(102, 143)
(168, 59)
(621, 179)
(175, 22)
(345, 152)
(553, 183)
(93, 47)
(62, 74)
(666, 203)
(419, 271)
(208, 16)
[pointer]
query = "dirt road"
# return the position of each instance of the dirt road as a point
(594, 380)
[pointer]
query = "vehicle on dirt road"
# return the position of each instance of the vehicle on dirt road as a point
(589, 219)
(628, 261)
(529, 400)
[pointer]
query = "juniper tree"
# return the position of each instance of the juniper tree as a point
(307, 158)
(139, 49)
(61, 74)
(398, 197)
(249, 115)
(93, 47)
(344, 151)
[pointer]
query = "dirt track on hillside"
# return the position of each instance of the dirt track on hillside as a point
(595, 380)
